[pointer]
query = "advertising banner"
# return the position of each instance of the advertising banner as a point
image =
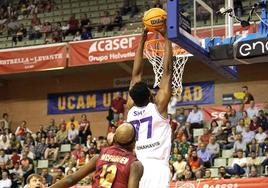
(36, 58)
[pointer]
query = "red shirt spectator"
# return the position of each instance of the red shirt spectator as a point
(254, 124)
(205, 137)
(118, 104)
(77, 152)
(15, 158)
(73, 23)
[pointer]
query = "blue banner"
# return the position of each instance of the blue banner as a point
(95, 101)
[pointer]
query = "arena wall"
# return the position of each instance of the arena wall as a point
(25, 97)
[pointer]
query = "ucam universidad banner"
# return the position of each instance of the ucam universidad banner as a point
(35, 58)
(95, 101)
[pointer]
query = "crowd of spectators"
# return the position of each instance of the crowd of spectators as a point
(243, 132)
(79, 28)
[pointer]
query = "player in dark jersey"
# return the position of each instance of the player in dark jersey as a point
(115, 167)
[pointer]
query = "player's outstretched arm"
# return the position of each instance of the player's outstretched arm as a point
(165, 90)
(136, 172)
(73, 179)
(137, 70)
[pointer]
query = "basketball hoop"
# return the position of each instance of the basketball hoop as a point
(154, 51)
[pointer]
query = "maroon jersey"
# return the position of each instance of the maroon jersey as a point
(113, 168)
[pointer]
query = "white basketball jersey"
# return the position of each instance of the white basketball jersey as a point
(153, 133)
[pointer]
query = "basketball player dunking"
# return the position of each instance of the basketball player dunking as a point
(150, 118)
(115, 167)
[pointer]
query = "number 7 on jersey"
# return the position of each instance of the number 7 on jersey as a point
(147, 121)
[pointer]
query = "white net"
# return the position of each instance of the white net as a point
(154, 51)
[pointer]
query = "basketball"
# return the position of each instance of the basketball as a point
(154, 18)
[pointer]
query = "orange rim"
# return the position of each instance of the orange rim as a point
(150, 45)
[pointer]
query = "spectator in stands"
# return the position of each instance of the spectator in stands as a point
(253, 146)
(5, 144)
(34, 32)
(12, 27)
(246, 118)
(6, 121)
(22, 130)
(204, 155)
(253, 172)
(183, 146)
(179, 166)
(72, 122)
(194, 161)
(110, 136)
(238, 165)
(27, 166)
(73, 135)
(222, 137)
(158, 4)
(85, 35)
(105, 22)
(248, 96)
(35, 181)
(4, 159)
(62, 134)
(118, 105)
(76, 153)
(222, 173)
(52, 126)
(52, 150)
(73, 25)
(47, 177)
(265, 161)
(241, 125)
(254, 124)
(77, 36)
(260, 136)
(213, 148)
(117, 20)
(85, 22)
(239, 144)
(262, 120)
(36, 22)
(3, 21)
(248, 135)
(17, 174)
(195, 118)
(253, 160)
(15, 158)
(214, 127)
(180, 117)
(46, 29)
(239, 113)
(252, 110)
(84, 128)
(233, 118)
(5, 182)
(14, 143)
(205, 137)
(40, 149)
(57, 36)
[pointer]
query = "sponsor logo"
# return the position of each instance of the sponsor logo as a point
(112, 44)
(253, 48)
(141, 147)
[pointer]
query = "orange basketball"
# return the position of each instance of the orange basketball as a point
(154, 18)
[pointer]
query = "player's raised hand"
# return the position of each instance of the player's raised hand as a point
(144, 33)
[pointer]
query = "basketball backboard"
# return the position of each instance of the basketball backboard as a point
(184, 17)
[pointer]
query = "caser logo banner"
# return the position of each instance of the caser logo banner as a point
(105, 50)
(252, 48)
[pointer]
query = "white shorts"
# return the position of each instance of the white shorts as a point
(156, 174)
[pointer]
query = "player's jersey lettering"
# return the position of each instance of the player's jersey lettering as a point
(148, 146)
(114, 158)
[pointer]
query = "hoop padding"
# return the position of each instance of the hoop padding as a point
(154, 51)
